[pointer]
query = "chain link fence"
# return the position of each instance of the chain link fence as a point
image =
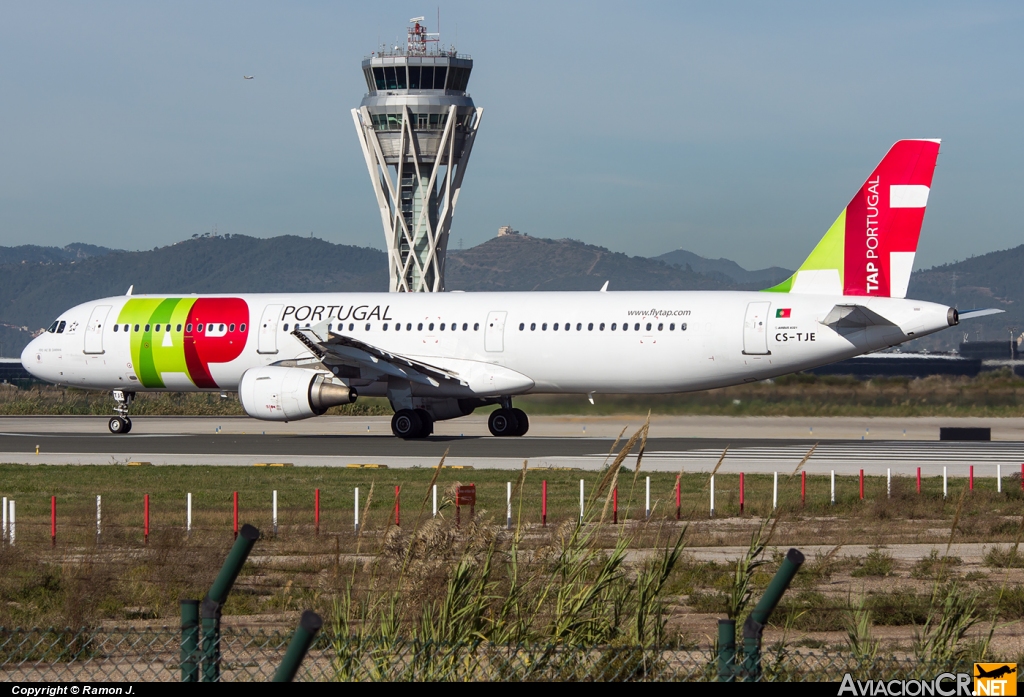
(154, 655)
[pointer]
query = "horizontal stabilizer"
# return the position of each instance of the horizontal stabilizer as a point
(854, 317)
(971, 314)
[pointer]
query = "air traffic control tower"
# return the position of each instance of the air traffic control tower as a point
(417, 125)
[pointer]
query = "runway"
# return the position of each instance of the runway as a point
(675, 443)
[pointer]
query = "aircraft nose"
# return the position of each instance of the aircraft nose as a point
(32, 359)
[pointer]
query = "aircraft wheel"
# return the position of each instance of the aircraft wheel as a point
(118, 425)
(406, 424)
(428, 423)
(523, 420)
(127, 425)
(503, 422)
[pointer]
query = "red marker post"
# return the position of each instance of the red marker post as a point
(971, 480)
(234, 499)
(544, 503)
(919, 480)
(803, 488)
(145, 519)
(741, 492)
(862, 485)
(615, 506)
(53, 521)
(316, 513)
(398, 489)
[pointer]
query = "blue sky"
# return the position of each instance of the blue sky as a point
(729, 129)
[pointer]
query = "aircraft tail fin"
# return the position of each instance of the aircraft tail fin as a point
(869, 250)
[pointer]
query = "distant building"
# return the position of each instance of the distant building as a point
(506, 230)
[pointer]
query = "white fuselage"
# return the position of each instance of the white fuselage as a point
(541, 342)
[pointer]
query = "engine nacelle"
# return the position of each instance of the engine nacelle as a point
(277, 393)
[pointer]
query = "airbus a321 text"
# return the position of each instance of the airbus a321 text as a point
(439, 356)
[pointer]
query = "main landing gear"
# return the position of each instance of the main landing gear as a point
(412, 423)
(508, 421)
(121, 423)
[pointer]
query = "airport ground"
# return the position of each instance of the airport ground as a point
(895, 553)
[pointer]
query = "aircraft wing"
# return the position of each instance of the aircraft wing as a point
(854, 317)
(971, 314)
(334, 349)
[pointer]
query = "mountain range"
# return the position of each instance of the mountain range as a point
(37, 283)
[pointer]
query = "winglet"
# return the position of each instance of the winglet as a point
(604, 288)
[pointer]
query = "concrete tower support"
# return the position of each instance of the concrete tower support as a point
(416, 126)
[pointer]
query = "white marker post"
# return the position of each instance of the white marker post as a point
(888, 482)
(999, 479)
(5, 520)
(508, 504)
(581, 503)
(712, 496)
(833, 487)
(434, 494)
(648, 505)
(945, 483)
(188, 514)
(10, 523)
(274, 519)
(99, 518)
(775, 492)
(357, 509)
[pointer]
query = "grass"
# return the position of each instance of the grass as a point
(992, 394)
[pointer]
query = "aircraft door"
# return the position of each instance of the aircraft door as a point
(494, 331)
(267, 341)
(94, 330)
(755, 329)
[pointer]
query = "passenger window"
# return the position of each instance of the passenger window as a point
(614, 326)
(442, 326)
(231, 327)
(136, 327)
(126, 327)
(385, 326)
(398, 326)
(188, 328)
(222, 327)
(408, 327)
(178, 329)
(601, 326)
(544, 327)
(590, 327)
(454, 326)
(465, 326)
(554, 327)
(147, 327)
(117, 327)
(660, 326)
(672, 327)
(476, 326)
(157, 328)
(648, 326)
(419, 327)
(636, 327)
(682, 327)
(367, 326)
(625, 327)
(579, 326)
(522, 326)
(533, 326)
(431, 326)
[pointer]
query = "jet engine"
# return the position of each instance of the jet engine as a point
(276, 393)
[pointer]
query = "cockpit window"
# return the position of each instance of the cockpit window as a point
(60, 327)
(53, 327)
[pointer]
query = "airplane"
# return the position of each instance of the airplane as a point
(995, 672)
(248, 77)
(439, 356)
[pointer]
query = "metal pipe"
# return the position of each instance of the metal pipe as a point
(233, 564)
(726, 650)
(754, 625)
(190, 641)
(309, 624)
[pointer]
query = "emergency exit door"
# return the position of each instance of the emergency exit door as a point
(755, 329)
(94, 330)
(494, 331)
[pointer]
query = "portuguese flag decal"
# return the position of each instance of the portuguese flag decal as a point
(783, 313)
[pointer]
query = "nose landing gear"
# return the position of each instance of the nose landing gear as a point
(121, 423)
